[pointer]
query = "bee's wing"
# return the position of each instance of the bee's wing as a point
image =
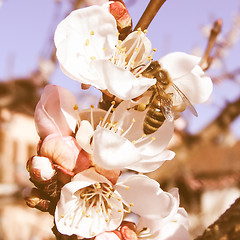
(165, 104)
(185, 100)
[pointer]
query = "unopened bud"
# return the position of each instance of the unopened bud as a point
(40, 169)
(33, 199)
(122, 17)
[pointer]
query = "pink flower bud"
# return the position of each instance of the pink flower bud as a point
(66, 152)
(122, 17)
(55, 112)
(40, 169)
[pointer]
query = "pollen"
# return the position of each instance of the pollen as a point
(131, 204)
(154, 49)
(150, 58)
(87, 42)
(92, 106)
(133, 142)
(127, 187)
(145, 31)
(75, 107)
(119, 210)
(92, 32)
(62, 216)
(113, 103)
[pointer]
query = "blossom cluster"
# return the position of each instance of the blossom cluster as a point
(90, 164)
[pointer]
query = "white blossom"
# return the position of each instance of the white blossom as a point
(89, 51)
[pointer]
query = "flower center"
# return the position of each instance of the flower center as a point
(130, 55)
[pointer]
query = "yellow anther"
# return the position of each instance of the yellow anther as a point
(83, 212)
(133, 142)
(119, 41)
(93, 58)
(127, 187)
(139, 30)
(150, 58)
(75, 107)
(82, 195)
(104, 49)
(153, 138)
(87, 42)
(132, 62)
(101, 119)
(144, 135)
(92, 106)
(62, 216)
(133, 120)
(119, 199)
(145, 31)
(131, 204)
(113, 103)
(92, 32)
(70, 218)
(88, 216)
(113, 109)
(117, 33)
(119, 210)
(98, 186)
(106, 220)
(129, 210)
(93, 233)
(154, 49)
(137, 49)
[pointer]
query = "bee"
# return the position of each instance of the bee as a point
(160, 105)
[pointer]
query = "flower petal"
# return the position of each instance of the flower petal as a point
(84, 135)
(55, 112)
(120, 82)
(149, 164)
(196, 86)
(160, 140)
(178, 64)
(86, 34)
(111, 151)
(142, 191)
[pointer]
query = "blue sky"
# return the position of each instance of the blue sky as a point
(26, 27)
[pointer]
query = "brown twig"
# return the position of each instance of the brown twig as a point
(149, 14)
(206, 59)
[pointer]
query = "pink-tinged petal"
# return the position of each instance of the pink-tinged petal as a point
(83, 162)
(55, 112)
(121, 82)
(151, 163)
(111, 151)
(196, 86)
(86, 34)
(84, 135)
(178, 64)
(61, 150)
(141, 191)
(107, 236)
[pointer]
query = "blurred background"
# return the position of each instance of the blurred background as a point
(206, 168)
